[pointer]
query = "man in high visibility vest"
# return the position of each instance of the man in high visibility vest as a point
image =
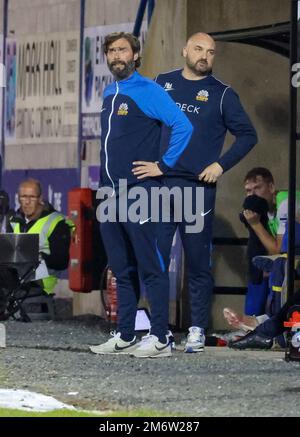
(36, 216)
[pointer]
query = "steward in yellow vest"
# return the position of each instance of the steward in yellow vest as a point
(36, 216)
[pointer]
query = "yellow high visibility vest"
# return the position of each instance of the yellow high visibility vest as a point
(44, 227)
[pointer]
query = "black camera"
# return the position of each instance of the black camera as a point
(4, 203)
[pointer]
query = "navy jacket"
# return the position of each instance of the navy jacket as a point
(213, 108)
(132, 114)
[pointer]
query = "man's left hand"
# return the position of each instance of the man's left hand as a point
(144, 169)
(211, 173)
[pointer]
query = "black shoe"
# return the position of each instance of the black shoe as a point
(251, 341)
(4, 316)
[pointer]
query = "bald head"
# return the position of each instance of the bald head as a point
(199, 54)
(30, 198)
(201, 37)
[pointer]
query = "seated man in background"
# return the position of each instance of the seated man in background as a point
(266, 225)
(264, 334)
(36, 216)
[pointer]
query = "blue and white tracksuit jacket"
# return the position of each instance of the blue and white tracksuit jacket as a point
(132, 114)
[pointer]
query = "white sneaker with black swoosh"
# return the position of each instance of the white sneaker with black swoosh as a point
(151, 347)
(115, 345)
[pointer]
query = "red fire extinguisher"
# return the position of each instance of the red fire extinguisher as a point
(110, 302)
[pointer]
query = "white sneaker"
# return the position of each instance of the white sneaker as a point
(151, 347)
(115, 345)
(195, 340)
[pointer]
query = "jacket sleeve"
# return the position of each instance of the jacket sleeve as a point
(239, 125)
(160, 106)
(59, 245)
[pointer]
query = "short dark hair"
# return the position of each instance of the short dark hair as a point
(133, 41)
(259, 171)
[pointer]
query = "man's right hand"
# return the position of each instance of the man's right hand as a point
(252, 217)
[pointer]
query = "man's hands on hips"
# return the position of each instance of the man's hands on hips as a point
(145, 169)
(211, 173)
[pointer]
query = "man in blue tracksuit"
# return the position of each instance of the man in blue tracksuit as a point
(213, 108)
(133, 111)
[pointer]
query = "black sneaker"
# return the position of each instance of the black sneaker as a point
(251, 341)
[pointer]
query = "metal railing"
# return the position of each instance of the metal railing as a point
(141, 13)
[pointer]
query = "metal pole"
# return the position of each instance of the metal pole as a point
(79, 144)
(139, 18)
(151, 6)
(292, 153)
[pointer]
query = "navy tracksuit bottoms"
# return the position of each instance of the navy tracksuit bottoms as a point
(134, 248)
(196, 245)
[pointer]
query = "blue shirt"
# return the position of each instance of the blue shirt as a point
(213, 108)
(131, 118)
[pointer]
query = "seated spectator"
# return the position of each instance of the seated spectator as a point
(265, 217)
(266, 227)
(275, 266)
(39, 217)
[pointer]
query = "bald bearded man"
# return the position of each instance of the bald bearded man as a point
(213, 108)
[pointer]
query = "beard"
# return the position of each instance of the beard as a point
(121, 70)
(199, 68)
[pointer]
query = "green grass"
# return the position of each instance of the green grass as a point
(7, 412)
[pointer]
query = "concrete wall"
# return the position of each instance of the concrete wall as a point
(166, 35)
(222, 15)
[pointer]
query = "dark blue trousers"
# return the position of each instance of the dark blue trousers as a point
(197, 247)
(256, 298)
(132, 248)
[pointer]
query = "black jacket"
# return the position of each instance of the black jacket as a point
(255, 247)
